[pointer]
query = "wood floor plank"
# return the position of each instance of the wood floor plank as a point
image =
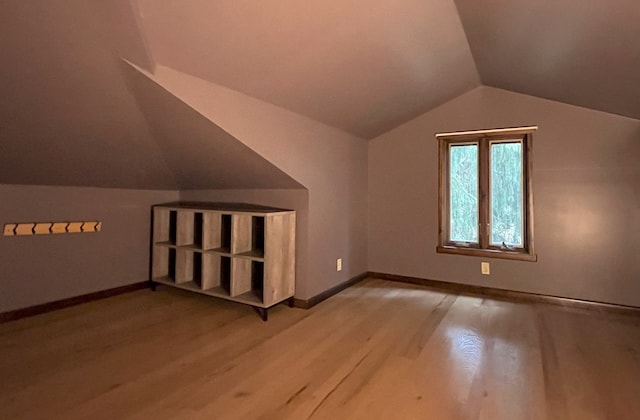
(602, 379)
(511, 365)
(377, 350)
(95, 365)
(317, 372)
(395, 335)
(207, 372)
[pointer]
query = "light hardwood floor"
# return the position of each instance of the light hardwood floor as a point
(378, 350)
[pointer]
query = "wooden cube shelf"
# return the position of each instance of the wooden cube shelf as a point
(236, 251)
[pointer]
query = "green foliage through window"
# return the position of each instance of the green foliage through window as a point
(506, 194)
(485, 193)
(463, 191)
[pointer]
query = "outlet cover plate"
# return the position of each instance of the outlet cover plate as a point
(485, 268)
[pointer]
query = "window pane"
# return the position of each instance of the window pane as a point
(506, 194)
(463, 193)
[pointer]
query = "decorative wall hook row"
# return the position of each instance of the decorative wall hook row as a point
(48, 228)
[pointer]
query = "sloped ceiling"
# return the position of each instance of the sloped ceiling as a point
(364, 66)
(66, 115)
(581, 52)
(368, 65)
(73, 113)
(201, 154)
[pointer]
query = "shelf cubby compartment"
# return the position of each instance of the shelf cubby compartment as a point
(185, 228)
(240, 276)
(211, 231)
(225, 232)
(188, 267)
(190, 225)
(164, 226)
(164, 263)
(197, 268)
(225, 274)
(216, 274)
(247, 279)
(198, 225)
(257, 279)
(248, 235)
(216, 229)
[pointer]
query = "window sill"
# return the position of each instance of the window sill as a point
(487, 253)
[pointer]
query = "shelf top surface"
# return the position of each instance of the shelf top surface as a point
(222, 207)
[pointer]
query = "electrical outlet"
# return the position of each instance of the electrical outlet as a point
(339, 264)
(485, 268)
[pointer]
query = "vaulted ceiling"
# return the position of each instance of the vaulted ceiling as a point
(72, 114)
(581, 52)
(367, 66)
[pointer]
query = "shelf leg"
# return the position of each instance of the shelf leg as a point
(263, 312)
(292, 302)
(153, 285)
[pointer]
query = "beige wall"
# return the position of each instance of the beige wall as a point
(587, 199)
(329, 163)
(39, 269)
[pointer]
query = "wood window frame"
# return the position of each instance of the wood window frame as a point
(484, 139)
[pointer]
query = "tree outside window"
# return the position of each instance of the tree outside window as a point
(486, 195)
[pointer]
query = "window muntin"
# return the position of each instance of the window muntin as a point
(485, 193)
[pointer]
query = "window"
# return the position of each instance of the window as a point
(485, 193)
